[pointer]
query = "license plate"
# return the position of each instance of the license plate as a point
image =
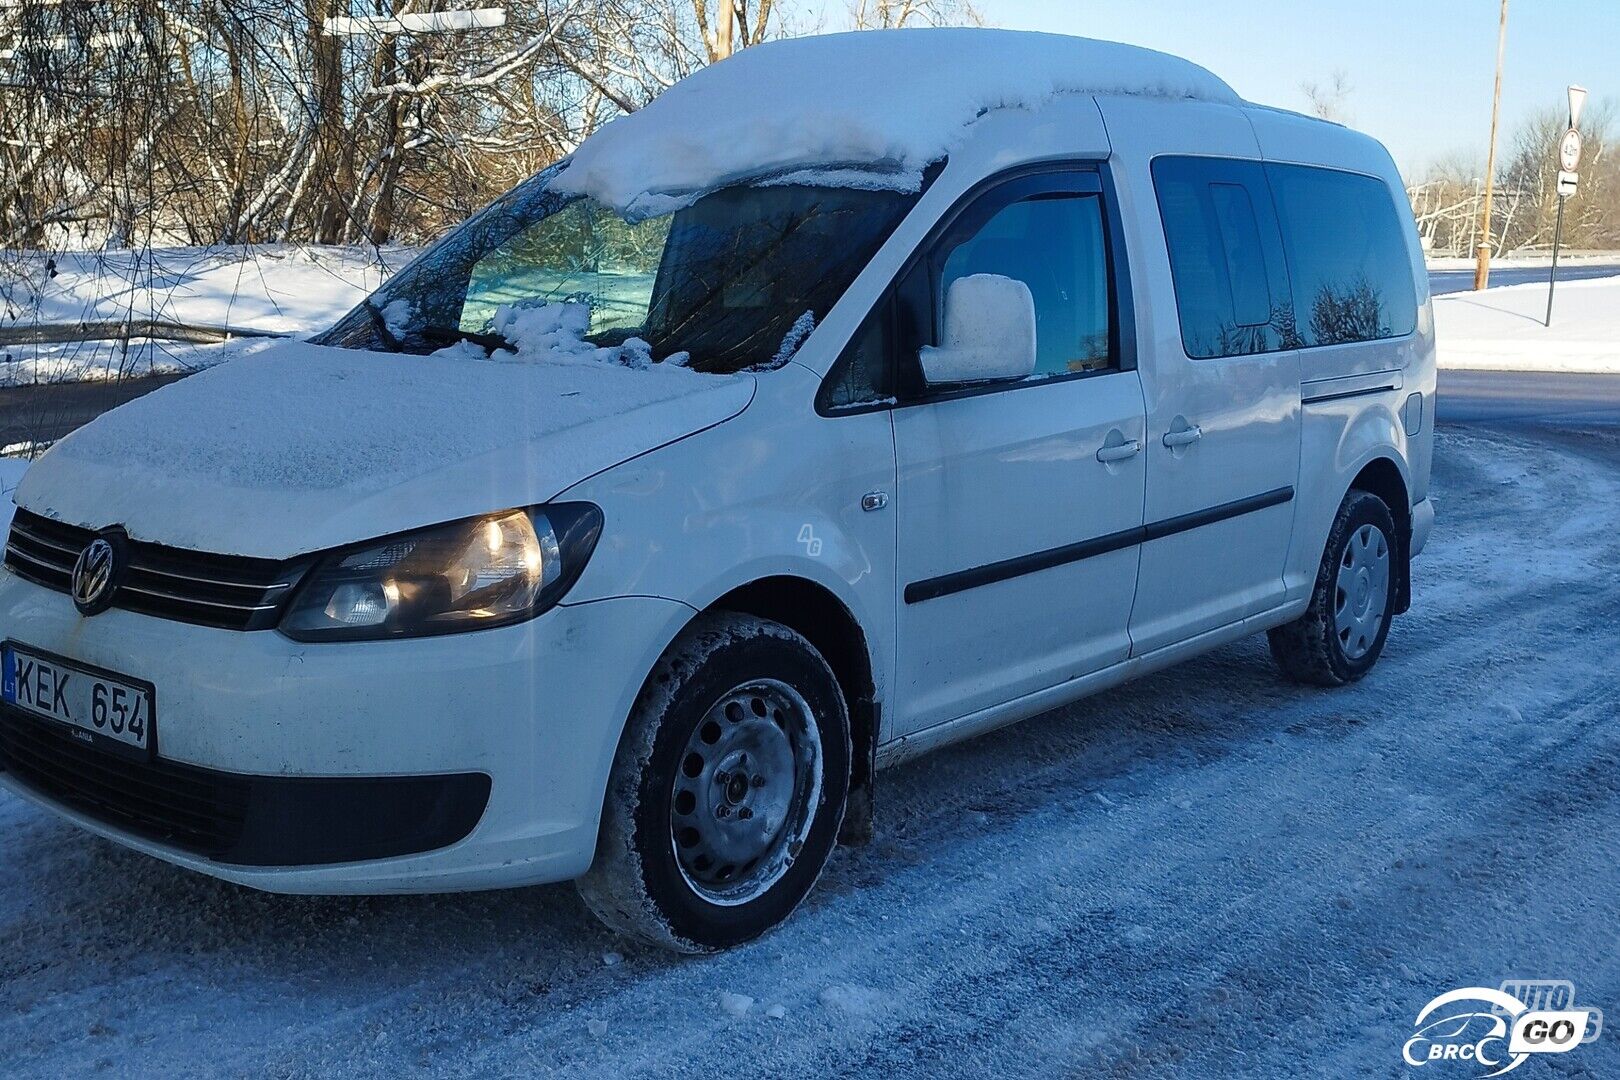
(103, 708)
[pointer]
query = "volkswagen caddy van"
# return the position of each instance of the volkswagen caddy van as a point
(625, 534)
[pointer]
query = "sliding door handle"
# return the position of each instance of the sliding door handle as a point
(1183, 437)
(1110, 454)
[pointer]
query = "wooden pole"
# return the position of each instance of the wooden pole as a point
(1482, 268)
(724, 43)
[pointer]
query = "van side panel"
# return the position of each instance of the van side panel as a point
(1355, 395)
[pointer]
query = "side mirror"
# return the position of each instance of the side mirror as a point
(989, 333)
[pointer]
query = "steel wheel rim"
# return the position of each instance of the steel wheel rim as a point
(1361, 592)
(745, 792)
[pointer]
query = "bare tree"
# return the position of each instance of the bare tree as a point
(893, 14)
(1328, 99)
(1446, 199)
(334, 121)
(729, 25)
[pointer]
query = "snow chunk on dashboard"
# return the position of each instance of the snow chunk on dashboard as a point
(896, 98)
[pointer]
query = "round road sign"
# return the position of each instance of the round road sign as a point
(1569, 150)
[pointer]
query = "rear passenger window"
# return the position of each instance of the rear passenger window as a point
(1347, 256)
(1225, 257)
(1053, 243)
(1245, 265)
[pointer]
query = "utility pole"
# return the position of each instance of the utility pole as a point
(1482, 268)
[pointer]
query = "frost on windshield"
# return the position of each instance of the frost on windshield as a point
(796, 335)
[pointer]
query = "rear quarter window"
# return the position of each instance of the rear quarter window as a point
(1226, 259)
(1347, 257)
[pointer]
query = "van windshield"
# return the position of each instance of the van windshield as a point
(727, 279)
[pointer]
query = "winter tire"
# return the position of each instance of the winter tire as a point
(1342, 633)
(727, 791)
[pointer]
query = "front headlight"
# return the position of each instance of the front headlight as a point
(467, 575)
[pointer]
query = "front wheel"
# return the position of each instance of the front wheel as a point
(1342, 633)
(727, 791)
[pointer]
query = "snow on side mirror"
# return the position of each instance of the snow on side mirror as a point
(989, 333)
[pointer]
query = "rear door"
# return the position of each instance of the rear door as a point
(1223, 407)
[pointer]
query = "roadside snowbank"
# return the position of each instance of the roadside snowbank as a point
(1498, 262)
(11, 474)
(1501, 329)
(900, 98)
(273, 287)
(294, 290)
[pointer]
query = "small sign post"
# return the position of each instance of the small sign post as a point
(1569, 160)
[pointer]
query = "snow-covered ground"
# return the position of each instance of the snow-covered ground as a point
(282, 289)
(11, 471)
(1468, 262)
(1502, 329)
(1207, 873)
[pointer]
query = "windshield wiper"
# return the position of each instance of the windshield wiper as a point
(380, 324)
(441, 335)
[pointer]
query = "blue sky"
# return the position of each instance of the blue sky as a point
(1420, 71)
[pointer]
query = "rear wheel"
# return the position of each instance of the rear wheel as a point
(727, 791)
(1342, 633)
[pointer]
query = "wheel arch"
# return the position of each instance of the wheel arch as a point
(1382, 476)
(815, 612)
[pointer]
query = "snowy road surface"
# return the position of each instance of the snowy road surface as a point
(1443, 281)
(1206, 873)
(1565, 398)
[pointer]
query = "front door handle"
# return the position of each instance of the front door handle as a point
(1110, 454)
(1183, 437)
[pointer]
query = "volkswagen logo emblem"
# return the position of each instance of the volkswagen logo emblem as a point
(95, 575)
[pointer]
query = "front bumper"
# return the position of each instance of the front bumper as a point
(537, 708)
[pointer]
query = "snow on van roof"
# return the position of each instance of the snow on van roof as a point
(896, 98)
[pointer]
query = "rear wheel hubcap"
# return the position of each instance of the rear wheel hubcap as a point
(1361, 592)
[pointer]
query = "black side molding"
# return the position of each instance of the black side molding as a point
(1321, 396)
(1158, 530)
(1019, 565)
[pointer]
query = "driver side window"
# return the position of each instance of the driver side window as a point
(1053, 243)
(1046, 230)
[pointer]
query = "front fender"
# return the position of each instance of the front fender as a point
(774, 492)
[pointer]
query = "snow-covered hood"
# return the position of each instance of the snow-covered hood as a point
(300, 448)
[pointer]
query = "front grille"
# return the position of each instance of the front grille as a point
(192, 809)
(232, 592)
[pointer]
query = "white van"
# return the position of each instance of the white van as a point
(861, 394)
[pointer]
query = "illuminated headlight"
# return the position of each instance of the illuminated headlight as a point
(467, 575)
